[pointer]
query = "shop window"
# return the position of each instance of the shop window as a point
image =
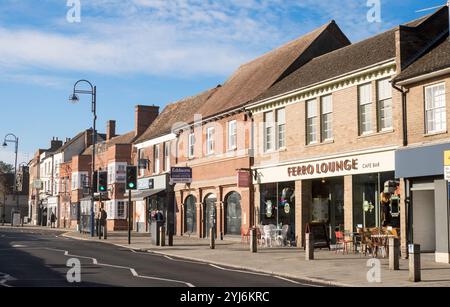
(121, 209)
(384, 90)
(367, 208)
(277, 206)
(268, 131)
(311, 122)
(365, 108)
(327, 118)
(435, 109)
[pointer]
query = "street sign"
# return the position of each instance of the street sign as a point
(244, 179)
(447, 165)
(181, 175)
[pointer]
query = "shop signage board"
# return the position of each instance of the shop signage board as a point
(151, 183)
(330, 167)
(244, 179)
(447, 165)
(181, 175)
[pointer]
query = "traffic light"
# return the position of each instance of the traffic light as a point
(131, 178)
(102, 182)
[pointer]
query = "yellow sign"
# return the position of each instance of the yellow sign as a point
(447, 158)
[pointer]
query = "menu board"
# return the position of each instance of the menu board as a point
(319, 231)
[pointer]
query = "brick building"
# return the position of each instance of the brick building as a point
(420, 164)
(216, 144)
(326, 135)
(113, 155)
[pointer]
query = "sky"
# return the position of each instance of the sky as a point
(150, 52)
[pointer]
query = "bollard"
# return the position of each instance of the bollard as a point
(212, 238)
(309, 246)
(170, 238)
(394, 254)
(162, 236)
(253, 240)
(415, 274)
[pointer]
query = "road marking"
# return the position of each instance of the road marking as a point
(19, 246)
(4, 279)
(132, 270)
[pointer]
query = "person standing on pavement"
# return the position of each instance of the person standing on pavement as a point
(103, 224)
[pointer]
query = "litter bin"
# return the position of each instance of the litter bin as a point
(155, 232)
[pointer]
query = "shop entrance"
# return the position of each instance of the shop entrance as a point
(190, 215)
(209, 216)
(233, 211)
(424, 220)
(328, 204)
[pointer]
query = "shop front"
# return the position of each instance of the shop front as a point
(342, 193)
(427, 192)
(53, 209)
(154, 195)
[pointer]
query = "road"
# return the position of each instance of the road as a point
(39, 258)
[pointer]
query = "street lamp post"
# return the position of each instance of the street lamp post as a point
(11, 138)
(75, 99)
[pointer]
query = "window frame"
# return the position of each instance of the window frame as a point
(314, 124)
(210, 144)
(280, 136)
(232, 135)
(156, 159)
(381, 111)
(269, 125)
(365, 105)
(323, 116)
(166, 155)
(191, 145)
(426, 110)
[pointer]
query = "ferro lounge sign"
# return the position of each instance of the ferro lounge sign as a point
(383, 161)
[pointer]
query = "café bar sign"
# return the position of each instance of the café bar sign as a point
(334, 167)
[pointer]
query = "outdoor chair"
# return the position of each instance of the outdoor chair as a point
(342, 243)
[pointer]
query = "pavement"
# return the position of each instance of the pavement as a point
(42, 257)
(328, 268)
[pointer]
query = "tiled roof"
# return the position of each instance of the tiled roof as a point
(376, 49)
(255, 77)
(175, 113)
(126, 138)
(436, 59)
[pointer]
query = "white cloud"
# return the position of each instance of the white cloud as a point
(170, 37)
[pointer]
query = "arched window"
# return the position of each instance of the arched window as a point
(233, 209)
(190, 214)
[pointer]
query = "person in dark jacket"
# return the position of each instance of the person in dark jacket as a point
(53, 220)
(103, 224)
(386, 209)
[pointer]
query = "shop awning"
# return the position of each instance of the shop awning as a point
(142, 195)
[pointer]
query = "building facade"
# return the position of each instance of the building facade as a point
(421, 163)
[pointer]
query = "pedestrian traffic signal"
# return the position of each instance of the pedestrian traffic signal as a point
(131, 178)
(102, 182)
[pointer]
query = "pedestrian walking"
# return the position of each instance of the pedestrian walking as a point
(53, 220)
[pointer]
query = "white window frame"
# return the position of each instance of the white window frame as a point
(326, 117)
(281, 128)
(232, 135)
(191, 145)
(269, 133)
(166, 156)
(384, 105)
(156, 159)
(312, 131)
(435, 111)
(365, 106)
(210, 146)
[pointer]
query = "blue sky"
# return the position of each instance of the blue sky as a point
(146, 52)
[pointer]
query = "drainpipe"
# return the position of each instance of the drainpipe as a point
(404, 93)
(252, 220)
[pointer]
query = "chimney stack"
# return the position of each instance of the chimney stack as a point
(110, 129)
(144, 117)
(55, 144)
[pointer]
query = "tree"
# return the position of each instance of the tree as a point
(6, 168)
